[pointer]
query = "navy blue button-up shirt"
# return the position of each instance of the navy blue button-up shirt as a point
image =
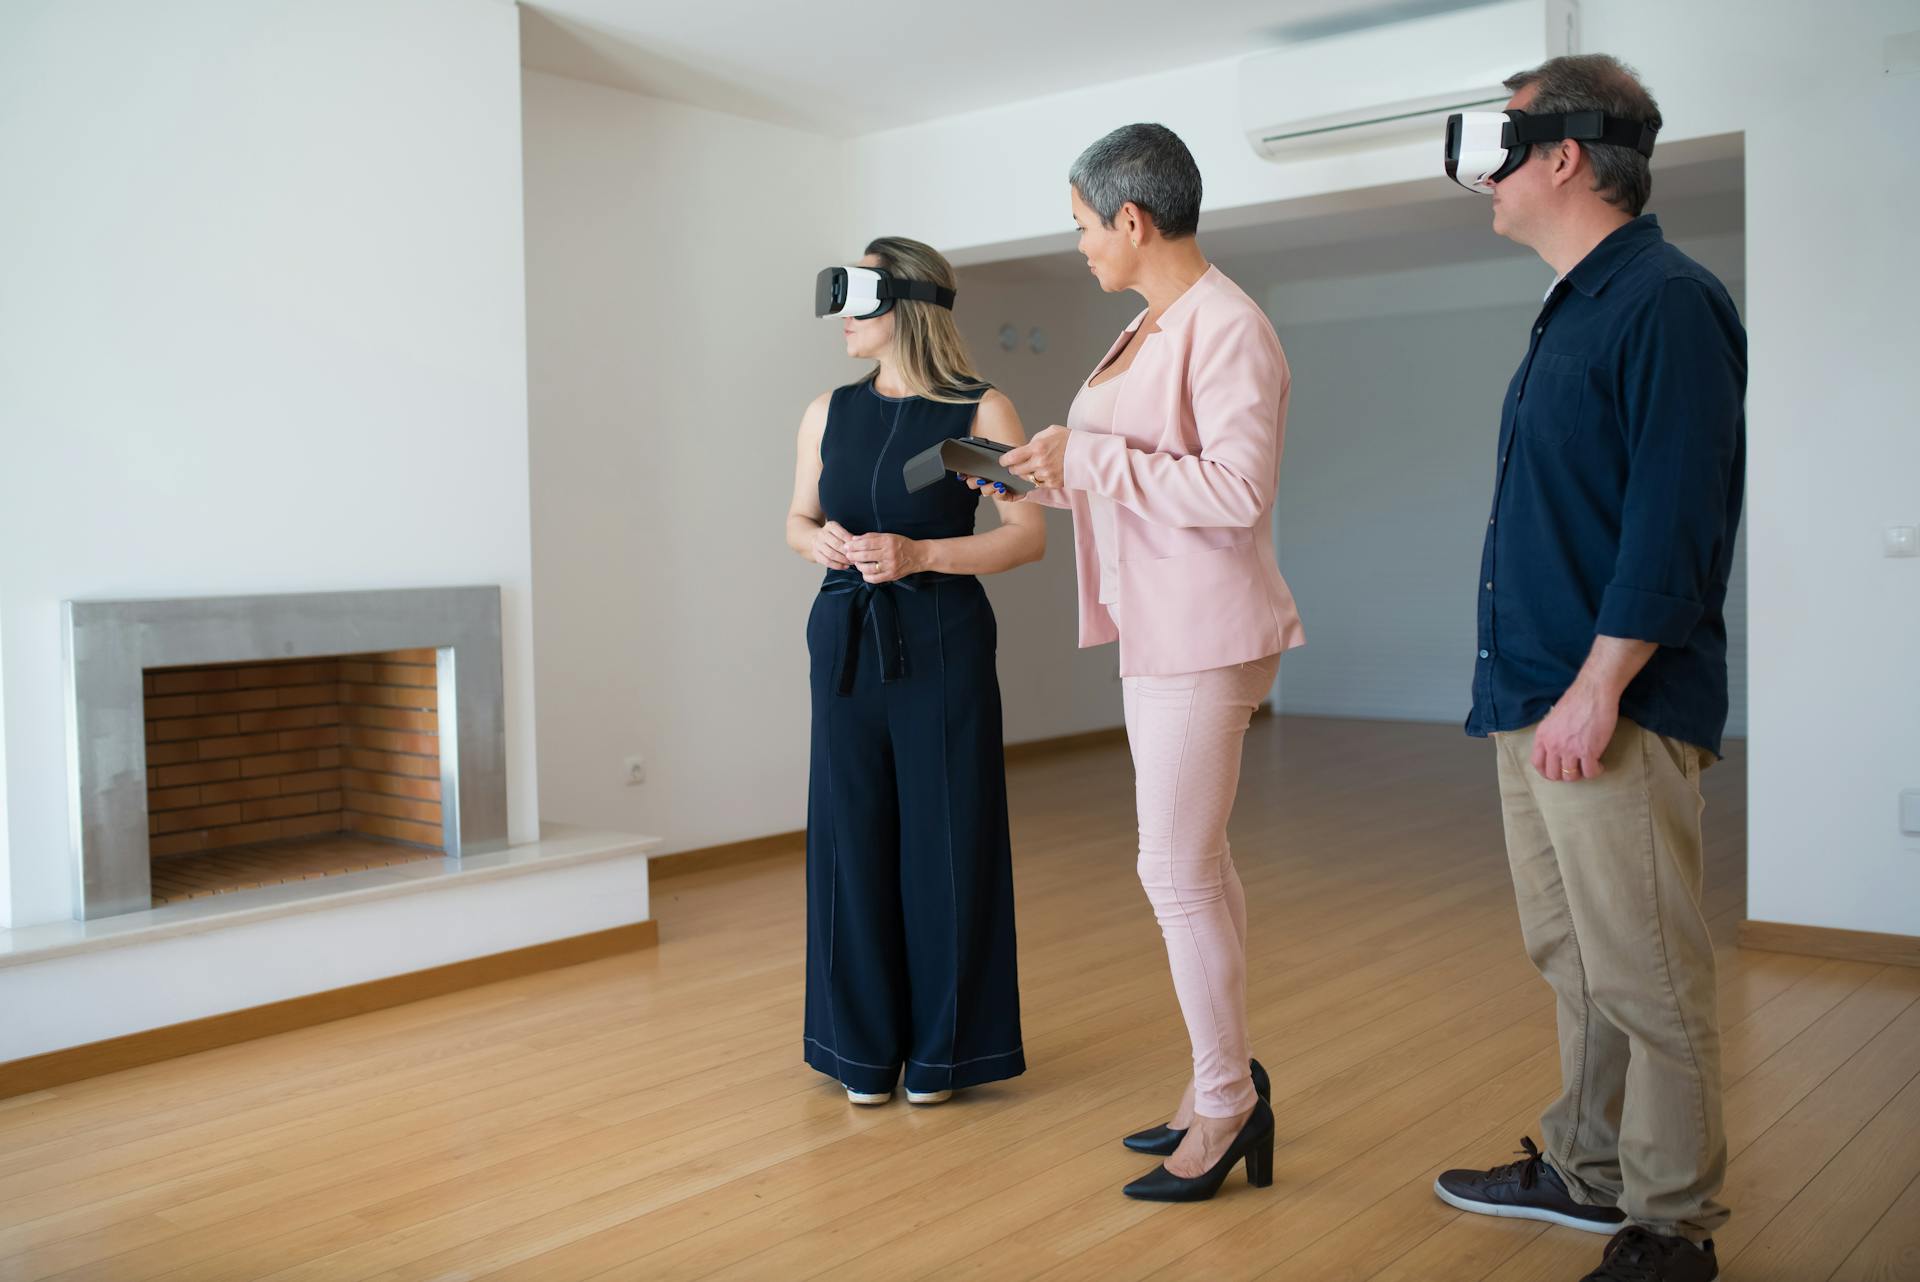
(1617, 492)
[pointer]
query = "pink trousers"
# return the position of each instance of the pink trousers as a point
(1186, 732)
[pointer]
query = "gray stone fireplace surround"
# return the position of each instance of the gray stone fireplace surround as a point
(110, 644)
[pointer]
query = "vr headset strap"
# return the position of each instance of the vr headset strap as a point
(919, 291)
(1580, 126)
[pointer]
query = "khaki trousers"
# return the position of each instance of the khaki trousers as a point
(1607, 874)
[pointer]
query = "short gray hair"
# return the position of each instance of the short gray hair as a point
(1145, 164)
(1597, 82)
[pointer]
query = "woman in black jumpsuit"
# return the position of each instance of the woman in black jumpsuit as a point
(910, 938)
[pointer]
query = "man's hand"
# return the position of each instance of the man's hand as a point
(1570, 742)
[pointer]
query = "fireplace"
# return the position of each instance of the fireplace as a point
(228, 743)
(260, 773)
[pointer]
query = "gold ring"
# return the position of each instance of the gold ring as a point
(1569, 774)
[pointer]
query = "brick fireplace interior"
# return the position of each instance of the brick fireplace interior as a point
(260, 773)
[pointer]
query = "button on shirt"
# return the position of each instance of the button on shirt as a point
(1618, 484)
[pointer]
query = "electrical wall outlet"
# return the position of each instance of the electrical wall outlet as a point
(636, 771)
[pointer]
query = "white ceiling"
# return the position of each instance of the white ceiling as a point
(845, 68)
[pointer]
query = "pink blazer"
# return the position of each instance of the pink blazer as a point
(1192, 464)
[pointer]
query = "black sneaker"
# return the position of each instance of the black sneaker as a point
(1637, 1255)
(1525, 1190)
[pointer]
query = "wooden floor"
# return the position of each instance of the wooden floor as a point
(648, 1116)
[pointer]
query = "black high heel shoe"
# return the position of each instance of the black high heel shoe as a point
(1160, 1141)
(1254, 1145)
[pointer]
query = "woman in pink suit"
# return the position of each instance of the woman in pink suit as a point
(1169, 461)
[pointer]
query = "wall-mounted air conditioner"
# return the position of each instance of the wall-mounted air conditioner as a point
(1390, 82)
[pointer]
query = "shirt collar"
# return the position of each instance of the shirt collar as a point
(1591, 274)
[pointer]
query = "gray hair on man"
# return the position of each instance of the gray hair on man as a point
(1148, 165)
(1597, 82)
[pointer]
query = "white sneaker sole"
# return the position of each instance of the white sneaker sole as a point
(931, 1097)
(867, 1101)
(1525, 1213)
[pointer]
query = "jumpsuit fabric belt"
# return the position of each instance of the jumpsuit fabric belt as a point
(874, 602)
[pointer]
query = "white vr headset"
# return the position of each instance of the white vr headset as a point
(1485, 146)
(863, 292)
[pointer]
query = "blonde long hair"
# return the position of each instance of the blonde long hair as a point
(932, 357)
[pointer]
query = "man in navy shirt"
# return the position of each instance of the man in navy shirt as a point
(1601, 673)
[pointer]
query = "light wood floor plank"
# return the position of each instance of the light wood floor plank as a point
(1891, 1250)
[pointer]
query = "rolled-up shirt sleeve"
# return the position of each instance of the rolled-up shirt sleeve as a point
(1684, 383)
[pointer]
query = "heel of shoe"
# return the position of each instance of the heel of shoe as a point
(1260, 1164)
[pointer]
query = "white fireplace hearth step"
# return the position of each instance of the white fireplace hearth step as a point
(560, 846)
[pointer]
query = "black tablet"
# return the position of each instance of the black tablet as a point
(971, 455)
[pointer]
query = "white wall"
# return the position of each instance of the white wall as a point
(1383, 504)
(262, 331)
(672, 350)
(1834, 452)
(670, 337)
(1833, 697)
(1049, 686)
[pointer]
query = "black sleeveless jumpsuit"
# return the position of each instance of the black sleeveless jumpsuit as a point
(910, 943)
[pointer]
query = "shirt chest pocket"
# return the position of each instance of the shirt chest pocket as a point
(1553, 403)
